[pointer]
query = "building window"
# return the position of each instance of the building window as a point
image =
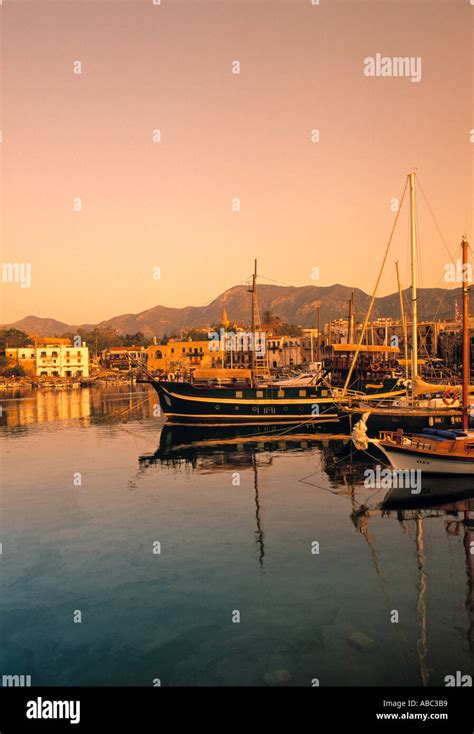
(158, 354)
(22, 356)
(302, 393)
(43, 354)
(54, 354)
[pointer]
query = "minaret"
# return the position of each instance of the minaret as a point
(225, 319)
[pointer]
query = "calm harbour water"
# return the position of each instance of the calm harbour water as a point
(236, 519)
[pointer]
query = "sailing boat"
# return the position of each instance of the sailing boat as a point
(249, 396)
(436, 451)
(244, 396)
(439, 497)
(412, 413)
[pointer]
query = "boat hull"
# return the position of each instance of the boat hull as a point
(183, 403)
(402, 460)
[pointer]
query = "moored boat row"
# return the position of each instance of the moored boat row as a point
(361, 385)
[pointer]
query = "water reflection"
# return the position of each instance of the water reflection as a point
(225, 545)
(29, 409)
(224, 448)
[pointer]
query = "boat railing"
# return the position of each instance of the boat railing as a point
(425, 443)
(338, 393)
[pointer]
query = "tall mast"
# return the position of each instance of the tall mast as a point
(318, 325)
(254, 313)
(354, 329)
(466, 375)
(422, 643)
(349, 320)
(414, 304)
(403, 317)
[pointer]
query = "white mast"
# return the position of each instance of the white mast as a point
(414, 305)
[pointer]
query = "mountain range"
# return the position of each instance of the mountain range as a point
(294, 305)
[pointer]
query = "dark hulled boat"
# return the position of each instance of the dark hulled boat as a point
(188, 402)
(185, 402)
(249, 396)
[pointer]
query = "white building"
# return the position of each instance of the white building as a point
(284, 351)
(51, 359)
(62, 361)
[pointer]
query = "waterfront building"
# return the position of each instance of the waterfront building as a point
(179, 355)
(310, 341)
(124, 358)
(50, 357)
(284, 351)
(450, 342)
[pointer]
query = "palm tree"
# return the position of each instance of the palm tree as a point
(271, 318)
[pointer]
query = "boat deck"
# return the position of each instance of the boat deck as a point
(459, 445)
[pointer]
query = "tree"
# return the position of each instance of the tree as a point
(98, 339)
(195, 335)
(136, 340)
(271, 319)
(283, 329)
(15, 371)
(217, 328)
(13, 338)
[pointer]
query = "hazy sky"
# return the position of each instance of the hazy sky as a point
(304, 204)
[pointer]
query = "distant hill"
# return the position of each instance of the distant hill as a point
(40, 327)
(295, 305)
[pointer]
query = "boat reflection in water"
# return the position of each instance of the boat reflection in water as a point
(451, 498)
(229, 448)
(342, 472)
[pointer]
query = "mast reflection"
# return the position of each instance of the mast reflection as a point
(342, 472)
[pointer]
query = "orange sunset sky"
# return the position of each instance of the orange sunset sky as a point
(225, 136)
